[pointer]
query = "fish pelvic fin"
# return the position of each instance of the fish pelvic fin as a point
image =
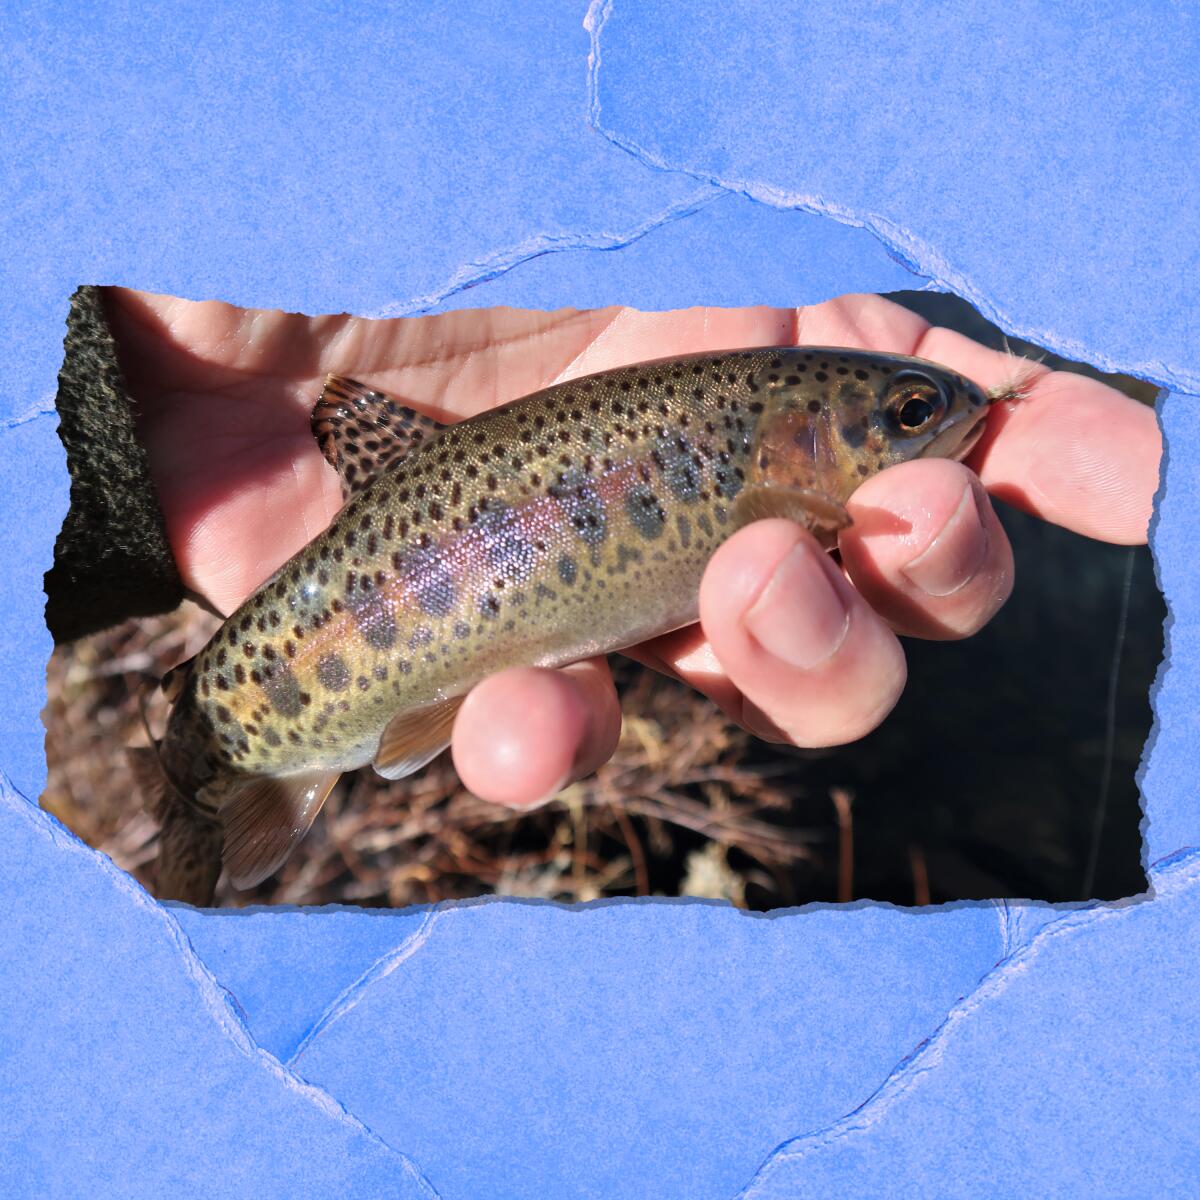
(415, 738)
(189, 845)
(819, 513)
(349, 415)
(265, 818)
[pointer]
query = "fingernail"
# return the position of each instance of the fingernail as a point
(800, 617)
(955, 555)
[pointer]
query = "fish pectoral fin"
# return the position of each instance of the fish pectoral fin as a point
(416, 737)
(264, 818)
(814, 510)
(349, 415)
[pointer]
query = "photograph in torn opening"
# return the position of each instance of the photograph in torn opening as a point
(342, 544)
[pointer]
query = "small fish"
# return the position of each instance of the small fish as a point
(567, 524)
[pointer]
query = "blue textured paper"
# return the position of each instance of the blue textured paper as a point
(387, 160)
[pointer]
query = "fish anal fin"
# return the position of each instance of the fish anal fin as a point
(416, 737)
(265, 817)
(350, 417)
(818, 512)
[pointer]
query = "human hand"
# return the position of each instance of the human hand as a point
(789, 644)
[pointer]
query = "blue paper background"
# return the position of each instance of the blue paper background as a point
(389, 160)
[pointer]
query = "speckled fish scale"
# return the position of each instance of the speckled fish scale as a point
(566, 524)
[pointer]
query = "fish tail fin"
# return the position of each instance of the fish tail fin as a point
(189, 846)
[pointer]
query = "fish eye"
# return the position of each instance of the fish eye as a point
(914, 402)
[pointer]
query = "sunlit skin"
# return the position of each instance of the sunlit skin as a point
(789, 644)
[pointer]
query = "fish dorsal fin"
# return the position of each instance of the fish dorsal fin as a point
(416, 737)
(264, 818)
(816, 511)
(362, 432)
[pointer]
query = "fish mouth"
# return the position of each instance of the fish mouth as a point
(958, 440)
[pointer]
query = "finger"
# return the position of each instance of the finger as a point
(687, 655)
(524, 734)
(802, 646)
(1071, 450)
(927, 551)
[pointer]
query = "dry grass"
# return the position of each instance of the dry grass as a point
(664, 816)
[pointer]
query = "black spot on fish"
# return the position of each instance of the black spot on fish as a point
(462, 630)
(645, 512)
(567, 570)
(332, 673)
(376, 623)
(431, 581)
(626, 555)
(674, 456)
(582, 506)
(685, 530)
(271, 737)
(511, 556)
(854, 435)
(283, 691)
(728, 483)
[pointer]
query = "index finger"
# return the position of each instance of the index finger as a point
(1070, 449)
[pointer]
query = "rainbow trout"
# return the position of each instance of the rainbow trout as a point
(572, 522)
